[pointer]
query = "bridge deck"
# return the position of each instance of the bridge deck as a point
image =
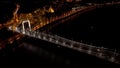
(100, 52)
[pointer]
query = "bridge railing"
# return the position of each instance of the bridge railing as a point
(101, 52)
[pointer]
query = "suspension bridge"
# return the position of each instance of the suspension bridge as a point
(100, 52)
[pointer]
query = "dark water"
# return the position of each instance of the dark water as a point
(44, 54)
(99, 27)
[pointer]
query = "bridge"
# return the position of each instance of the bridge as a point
(100, 52)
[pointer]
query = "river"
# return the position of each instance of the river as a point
(99, 27)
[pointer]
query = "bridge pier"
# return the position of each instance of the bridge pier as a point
(56, 41)
(89, 51)
(71, 45)
(80, 48)
(28, 33)
(44, 38)
(100, 54)
(34, 35)
(64, 44)
(50, 39)
(39, 36)
(112, 59)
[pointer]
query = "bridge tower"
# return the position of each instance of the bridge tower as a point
(23, 26)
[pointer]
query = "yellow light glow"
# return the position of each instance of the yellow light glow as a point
(51, 10)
